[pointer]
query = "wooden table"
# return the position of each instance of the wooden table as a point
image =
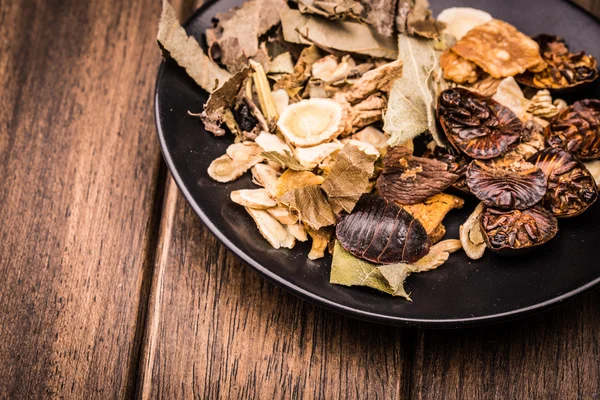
(111, 286)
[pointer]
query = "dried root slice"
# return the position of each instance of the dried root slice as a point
(310, 157)
(240, 157)
(281, 100)
(259, 199)
(298, 231)
(374, 137)
(311, 122)
(320, 241)
(460, 20)
(270, 142)
(324, 68)
(438, 254)
(471, 236)
(542, 106)
(266, 176)
(275, 233)
(283, 215)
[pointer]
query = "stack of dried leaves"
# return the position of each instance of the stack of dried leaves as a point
(324, 99)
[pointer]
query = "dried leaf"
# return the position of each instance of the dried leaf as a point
(311, 205)
(186, 51)
(349, 177)
(414, 18)
(346, 36)
(411, 103)
(275, 233)
(284, 158)
(510, 95)
(290, 180)
(320, 241)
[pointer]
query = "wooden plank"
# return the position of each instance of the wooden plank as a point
(217, 329)
(79, 163)
(555, 355)
(593, 6)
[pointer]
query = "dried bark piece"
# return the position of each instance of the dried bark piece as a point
(411, 180)
(432, 211)
(186, 51)
(517, 186)
(458, 69)
(500, 49)
(382, 232)
(379, 79)
(476, 125)
(571, 187)
(563, 69)
(576, 129)
(513, 231)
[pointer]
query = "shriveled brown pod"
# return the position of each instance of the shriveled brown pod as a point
(576, 129)
(476, 125)
(571, 187)
(457, 164)
(519, 185)
(564, 70)
(382, 232)
(510, 232)
(410, 180)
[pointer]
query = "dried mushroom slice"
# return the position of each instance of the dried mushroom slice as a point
(512, 231)
(458, 69)
(380, 231)
(311, 122)
(517, 186)
(500, 49)
(563, 68)
(411, 180)
(476, 125)
(571, 187)
(576, 129)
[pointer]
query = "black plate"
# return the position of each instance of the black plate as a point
(461, 292)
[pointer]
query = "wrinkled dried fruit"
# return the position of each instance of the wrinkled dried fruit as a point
(516, 186)
(383, 232)
(410, 180)
(509, 231)
(476, 125)
(571, 187)
(576, 129)
(500, 49)
(563, 68)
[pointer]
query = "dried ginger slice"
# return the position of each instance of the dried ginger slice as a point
(500, 49)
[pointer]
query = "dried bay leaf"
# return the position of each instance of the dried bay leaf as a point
(352, 37)
(290, 180)
(349, 177)
(411, 105)
(310, 204)
(186, 51)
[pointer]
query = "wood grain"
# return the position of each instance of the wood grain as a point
(218, 330)
(79, 165)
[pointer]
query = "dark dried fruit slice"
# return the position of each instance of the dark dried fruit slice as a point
(457, 164)
(564, 69)
(576, 129)
(519, 185)
(410, 180)
(382, 232)
(571, 187)
(508, 231)
(476, 125)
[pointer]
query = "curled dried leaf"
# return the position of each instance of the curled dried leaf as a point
(259, 199)
(310, 204)
(471, 236)
(290, 180)
(499, 49)
(276, 234)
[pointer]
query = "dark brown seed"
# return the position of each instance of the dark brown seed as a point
(476, 125)
(519, 185)
(512, 231)
(571, 187)
(410, 180)
(576, 129)
(382, 232)
(564, 70)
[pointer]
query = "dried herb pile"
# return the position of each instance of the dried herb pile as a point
(323, 101)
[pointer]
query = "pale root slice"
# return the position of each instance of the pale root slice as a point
(365, 147)
(324, 68)
(311, 122)
(298, 231)
(276, 234)
(438, 254)
(281, 64)
(281, 100)
(239, 158)
(270, 142)
(310, 157)
(510, 95)
(245, 152)
(283, 215)
(460, 20)
(471, 236)
(374, 137)
(266, 176)
(259, 199)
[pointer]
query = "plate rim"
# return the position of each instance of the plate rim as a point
(311, 297)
